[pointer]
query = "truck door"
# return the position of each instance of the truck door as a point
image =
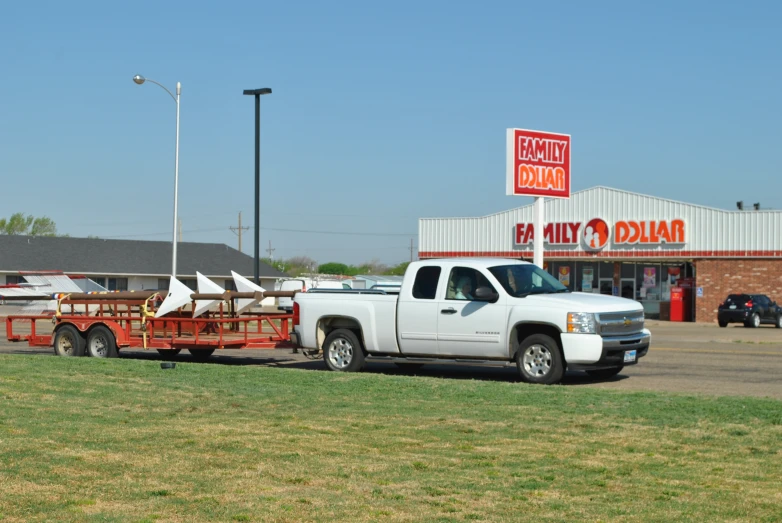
(417, 313)
(466, 327)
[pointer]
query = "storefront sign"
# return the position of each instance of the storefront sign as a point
(595, 235)
(649, 232)
(537, 164)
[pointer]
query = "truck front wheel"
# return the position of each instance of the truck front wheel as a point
(342, 351)
(539, 360)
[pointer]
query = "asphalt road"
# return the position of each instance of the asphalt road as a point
(686, 358)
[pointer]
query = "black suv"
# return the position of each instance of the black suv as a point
(750, 309)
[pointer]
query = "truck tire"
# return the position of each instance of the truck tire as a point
(539, 360)
(342, 351)
(168, 354)
(68, 341)
(722, 324)
(101, 343)
(200, 354)
(604, 374)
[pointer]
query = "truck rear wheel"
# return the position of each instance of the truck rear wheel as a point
(101, 343)
(342, 351)
(539, 360)
(68, 341)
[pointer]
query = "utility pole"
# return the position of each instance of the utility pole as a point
(270, 250)
(411, 250)
(238, 230)
(180, 230)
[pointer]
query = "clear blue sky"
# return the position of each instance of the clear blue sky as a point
(382, 112)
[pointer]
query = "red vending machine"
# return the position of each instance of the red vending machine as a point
(681, 300)
(677, 304)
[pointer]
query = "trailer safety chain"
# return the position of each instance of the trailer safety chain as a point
(311, 354)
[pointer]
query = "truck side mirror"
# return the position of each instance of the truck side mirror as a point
(486, 294)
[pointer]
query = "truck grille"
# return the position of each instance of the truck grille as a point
(614, 323)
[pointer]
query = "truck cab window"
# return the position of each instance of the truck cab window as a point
(462, 284)
(425, 285)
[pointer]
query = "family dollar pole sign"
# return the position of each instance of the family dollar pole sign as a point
(537, 164)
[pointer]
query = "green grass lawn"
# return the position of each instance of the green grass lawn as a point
(123, 440)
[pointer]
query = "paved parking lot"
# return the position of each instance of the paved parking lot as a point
(689, 358)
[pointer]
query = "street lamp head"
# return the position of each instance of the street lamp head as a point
(139, 79)
(257, 92)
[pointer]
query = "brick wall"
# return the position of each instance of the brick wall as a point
(722, 277)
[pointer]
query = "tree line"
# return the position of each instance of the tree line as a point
(300, 265)
(19, 224)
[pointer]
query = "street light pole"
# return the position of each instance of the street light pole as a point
(140, 80)
(258, 93)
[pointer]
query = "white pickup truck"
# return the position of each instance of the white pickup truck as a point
(474, 311)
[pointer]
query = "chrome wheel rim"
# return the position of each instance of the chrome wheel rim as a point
(779, 322)
(756, 320)
(537, 361)
(65, 344)
(99, 346)
(340, 353)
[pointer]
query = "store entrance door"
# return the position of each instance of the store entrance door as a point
(606, 286)
(628, 288)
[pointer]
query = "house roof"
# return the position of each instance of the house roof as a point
(123, 257)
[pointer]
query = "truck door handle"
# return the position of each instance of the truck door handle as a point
(450, 310)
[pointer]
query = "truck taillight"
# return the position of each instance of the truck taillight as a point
(295, 313)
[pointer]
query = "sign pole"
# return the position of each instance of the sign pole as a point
(537, 228)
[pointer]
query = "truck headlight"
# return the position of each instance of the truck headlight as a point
(581, 323)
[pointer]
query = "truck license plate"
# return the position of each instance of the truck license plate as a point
(629, 356)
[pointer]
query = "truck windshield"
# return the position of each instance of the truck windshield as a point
(523, 280)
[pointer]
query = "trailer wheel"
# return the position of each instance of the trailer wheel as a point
(168, 354)
(342, 351)
(68, 341)
(101, 343)
(200, 354)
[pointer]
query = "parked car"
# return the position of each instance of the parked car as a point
(301, 285)
(752, 310)
(485, 312)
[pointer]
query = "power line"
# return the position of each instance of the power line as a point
(345, 233)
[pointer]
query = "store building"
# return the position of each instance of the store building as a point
(610, 241)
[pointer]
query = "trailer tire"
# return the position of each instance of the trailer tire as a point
(101, 343)
(200, 354)
(342, 351)
(68, 341)
(168, 354)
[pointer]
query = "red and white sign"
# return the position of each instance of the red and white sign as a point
(538, 164)
(596, 233)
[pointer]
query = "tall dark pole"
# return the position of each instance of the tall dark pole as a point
(257, 93)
